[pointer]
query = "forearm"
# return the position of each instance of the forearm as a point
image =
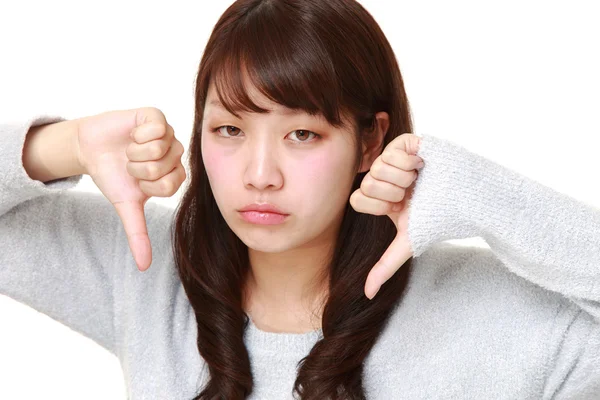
(538, 233)
(50, 151)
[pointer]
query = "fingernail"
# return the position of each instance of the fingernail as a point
(374, 294)
(420, 165)
(371, 288)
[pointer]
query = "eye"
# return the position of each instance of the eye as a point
(304, 134)
(218, 129)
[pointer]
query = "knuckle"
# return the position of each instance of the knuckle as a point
(153, 111)
(354, 199)
(171, 131)
(400, 194)
(160, 128)
(375, 169)
(174, 189)
(183, 172)
(148, 109)
(152, 171)
(156, 151)
(387, 156)
(167, 186)
(144, 188)
(367, 185)
(409, 178)
(180, 148)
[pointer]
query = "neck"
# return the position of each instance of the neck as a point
(286, 291)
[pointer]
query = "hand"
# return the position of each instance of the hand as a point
(387, 190)
(131, 155)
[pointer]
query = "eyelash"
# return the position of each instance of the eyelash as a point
(317, 136)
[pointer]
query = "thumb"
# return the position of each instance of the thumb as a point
(394, 257)
(133, 219)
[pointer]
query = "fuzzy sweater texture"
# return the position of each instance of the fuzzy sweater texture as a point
(517, 320)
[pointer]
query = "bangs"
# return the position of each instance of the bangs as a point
(272, 57)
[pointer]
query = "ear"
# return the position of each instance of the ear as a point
(374, 141)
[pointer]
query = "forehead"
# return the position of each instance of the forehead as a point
(213, 103)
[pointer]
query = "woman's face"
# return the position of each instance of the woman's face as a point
(276, 158)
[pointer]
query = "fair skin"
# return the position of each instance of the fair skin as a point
(277, 158)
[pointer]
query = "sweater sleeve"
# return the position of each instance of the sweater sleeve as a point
(576, 372)
(59, 246)
(538, 233)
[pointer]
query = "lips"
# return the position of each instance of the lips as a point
(263, 208)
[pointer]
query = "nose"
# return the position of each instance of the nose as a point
(262, 170)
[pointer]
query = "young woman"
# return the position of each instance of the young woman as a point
(304, 258)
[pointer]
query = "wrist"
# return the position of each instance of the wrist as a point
(78, 160)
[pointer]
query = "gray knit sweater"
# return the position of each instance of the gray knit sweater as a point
(520, 320)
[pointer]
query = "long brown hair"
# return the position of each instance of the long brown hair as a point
(323, 57)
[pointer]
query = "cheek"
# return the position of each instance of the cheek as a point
(219, 167)
(212, 162)
(313, 168)
(323, 182)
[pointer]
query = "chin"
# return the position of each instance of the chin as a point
(270, 246)
(262, 238)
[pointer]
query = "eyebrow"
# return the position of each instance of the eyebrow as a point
(284, 110)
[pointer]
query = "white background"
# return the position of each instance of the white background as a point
(515, 81)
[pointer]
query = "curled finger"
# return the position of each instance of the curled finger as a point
(368, 205)
(166, 186)
(400, 159)
(396, 176)
(381, 190)
(149, 151)
(152, 131)
(154, 170)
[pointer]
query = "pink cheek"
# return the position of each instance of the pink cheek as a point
(314, 173)
(222, 171)
(213, 163)
(315, 167)
(325, 176)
